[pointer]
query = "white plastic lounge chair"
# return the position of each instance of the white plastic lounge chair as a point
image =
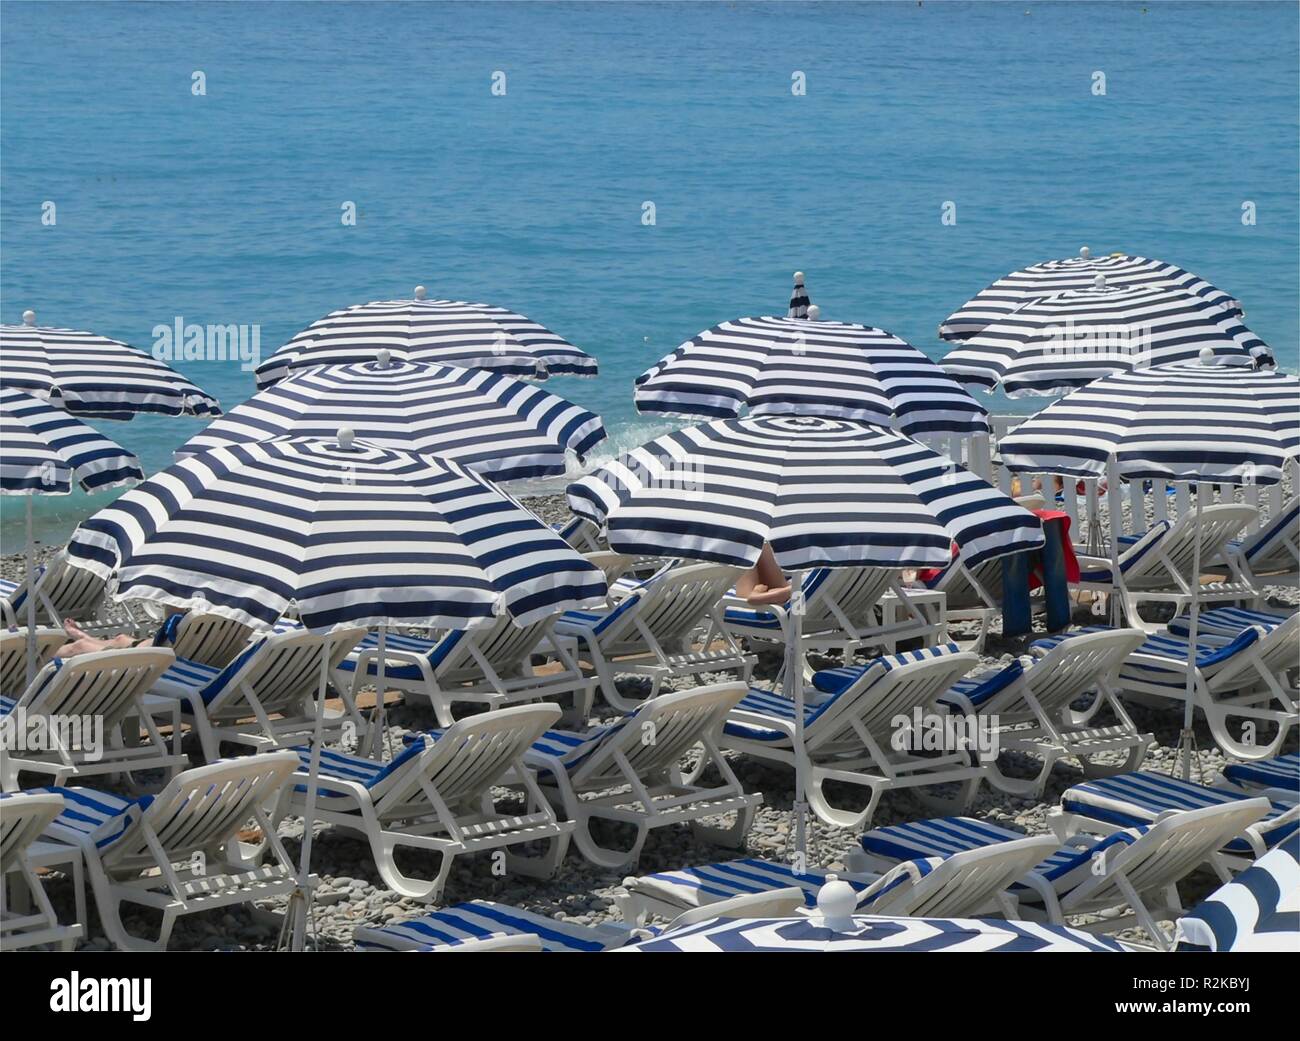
(501, 927)
(842, 612)
(964, 884)
(1224, 623)
(64, 591)
(1135, 869)
(849, 737)
(630, 772)
(1271, 556)
(23, 817)
(13, 657)
(1259, 910)
(7, 590)
(1032, 706)
(204, 638)
(580, 533)
(84, 702)
(278, 675)
(1157, 566)
(179, 852)
(1278, 778)
(652, 631)
(1133, 800)
(485, 666)
(1242, 686)
(436, 796)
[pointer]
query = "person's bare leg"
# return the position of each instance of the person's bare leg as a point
(83, 643)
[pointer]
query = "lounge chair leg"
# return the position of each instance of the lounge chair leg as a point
(405, 885)
(841, 818)
(1093, 769)
(732, 837)
(615, 860)
(543, 865)
(958, 803)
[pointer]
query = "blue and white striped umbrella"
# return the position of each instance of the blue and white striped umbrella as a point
(44, 450)
(443, 332)
(1048, 345)
(997, 301)
(1184, 422)
(1259, 910)
(90, 375)
(807, 935)
(798, 366)
(488, 422)
(349, 533)
(823, 492)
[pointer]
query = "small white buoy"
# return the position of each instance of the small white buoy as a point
(836, 902)
(798, 278)
(420, 292)
(29, 318)
(346, 435)
(384, 357)
(814, 313)
(1099, 282)
(1084, 253)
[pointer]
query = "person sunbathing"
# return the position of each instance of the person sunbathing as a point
(81, 642)
(765, 582)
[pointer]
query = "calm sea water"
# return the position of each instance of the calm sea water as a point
(225, 208)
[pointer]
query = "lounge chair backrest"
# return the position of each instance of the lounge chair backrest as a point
(980, 586)
(891, 687)
(675, 603)
(282, 671)
(1173, 847)
(966, 882)
(503, 643)
(13, 656)
(775, 903)
(1278, 651)
(1074, 666)
(23, 816)
(1219, 525)
(105, 684)
(1273, 547)
(202, 809)
(470, 756)
(612, 565)
(844, 595)
(71, 592)
(580, 533)
(657, 735)
(210, 639)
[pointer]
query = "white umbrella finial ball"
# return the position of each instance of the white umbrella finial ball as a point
(384, 357)
(421, 292)
(814, 313)
(346, 437)
(798, 278)
(1207, 355)
(29, 318)
(1099, 281)
(836, 902)
(1084, 252)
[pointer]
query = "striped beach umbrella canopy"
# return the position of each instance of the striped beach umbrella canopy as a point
(866, 934)
(1259, 910)
(90, 375)
(804, 366)
(1069, 339)
(486, 421)
(347, 532)
(1005, 295)
(44, 451)
(823, 492)
(443, 332)
(1186, 422)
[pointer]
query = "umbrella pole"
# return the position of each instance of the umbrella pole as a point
(31, 595)
(376, 745)
(299, 909)
(794, 690)
(1187, 740)
(1116, 529)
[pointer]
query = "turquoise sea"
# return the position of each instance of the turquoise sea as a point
(225, 208)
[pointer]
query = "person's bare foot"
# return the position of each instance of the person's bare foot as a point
(74, 631)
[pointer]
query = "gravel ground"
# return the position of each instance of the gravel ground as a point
(352, 894)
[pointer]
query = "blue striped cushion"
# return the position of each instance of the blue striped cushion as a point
(920, 867)
(597, 621)
(435, 651)
(741, 877)
(939, 837)
(572, 749)
(480, 920)
(978, 690)
(1044, 645)
(1286, 520)
(366, 772)
(93, 815)
(1130, 800)
(1226, 621)
(1134, 550)
(1208, 659)
(836, 681)
(1281, 772)
(6, 705)
(193, 676)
